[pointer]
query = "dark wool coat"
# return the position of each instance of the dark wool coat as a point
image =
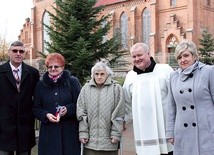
(16, 117)
(57, 138)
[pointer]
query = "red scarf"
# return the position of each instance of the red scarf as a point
(56, 77)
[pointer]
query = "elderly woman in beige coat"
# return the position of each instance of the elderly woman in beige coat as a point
(100, 111)
(190, 121)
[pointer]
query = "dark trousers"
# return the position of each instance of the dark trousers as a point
(13, 152)
(94, 152)
(170, 153)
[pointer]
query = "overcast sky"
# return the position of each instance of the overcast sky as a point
(12, 17)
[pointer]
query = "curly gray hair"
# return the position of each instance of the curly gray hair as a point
(101, 65)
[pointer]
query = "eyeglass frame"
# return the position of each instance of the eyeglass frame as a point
(16, 51)
(54, 66)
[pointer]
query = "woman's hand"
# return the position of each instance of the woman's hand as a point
(52, 118)
(171, 140)
(114, 140)
(63, 111)
(84, 140)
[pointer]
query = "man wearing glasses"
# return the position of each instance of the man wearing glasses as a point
(17, 84)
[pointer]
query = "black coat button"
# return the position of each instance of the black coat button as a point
(194, 124)
(192, 106)
(181, 91)
(183, 108)
(185, 125)
(191, 75)
(189, 90)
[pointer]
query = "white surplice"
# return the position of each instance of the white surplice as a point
(147, 94)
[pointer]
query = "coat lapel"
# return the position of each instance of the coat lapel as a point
(9, 74)
(24, 72)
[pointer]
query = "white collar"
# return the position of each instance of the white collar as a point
(14, 68)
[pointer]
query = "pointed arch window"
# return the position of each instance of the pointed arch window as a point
(46, 38)
(124, 31)
(171, 45)
(172, 2)
(146, 26)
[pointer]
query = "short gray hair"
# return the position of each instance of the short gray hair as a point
(101, 65)
(143, 46)
(186, 45)
(16, 43)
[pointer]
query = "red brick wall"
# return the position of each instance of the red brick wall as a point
(184, 21)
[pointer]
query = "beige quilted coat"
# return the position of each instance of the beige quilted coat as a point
(100, 112)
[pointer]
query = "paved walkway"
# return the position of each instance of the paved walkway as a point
(128, 140)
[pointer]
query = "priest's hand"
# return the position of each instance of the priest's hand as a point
(171, 140)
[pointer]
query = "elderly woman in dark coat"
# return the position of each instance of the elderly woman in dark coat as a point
(190, 116)
(55, 106)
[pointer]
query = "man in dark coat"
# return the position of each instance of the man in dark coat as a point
(16, 94)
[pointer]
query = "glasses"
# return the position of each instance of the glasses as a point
(55, 67)
(16, 51)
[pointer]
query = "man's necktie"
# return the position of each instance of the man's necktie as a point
(16, 75)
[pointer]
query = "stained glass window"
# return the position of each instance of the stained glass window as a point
(104, 23)
(124, 31)
(46, 38)
(173, 3)
(146, 26)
